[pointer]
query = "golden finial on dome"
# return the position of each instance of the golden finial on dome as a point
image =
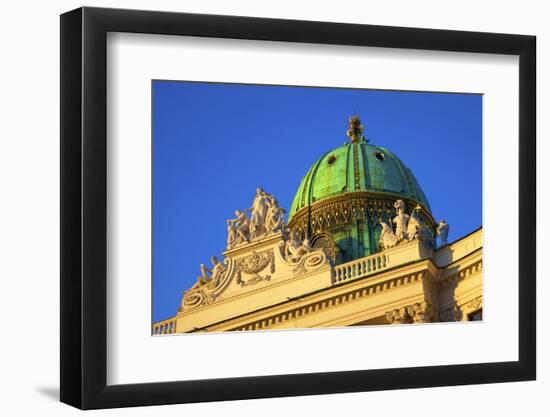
(355, 131)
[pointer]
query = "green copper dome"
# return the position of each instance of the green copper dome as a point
(357, 167)
(347, 193)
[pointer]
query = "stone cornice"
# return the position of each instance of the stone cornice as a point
(332, 297)
(462, 272)
(334, 301)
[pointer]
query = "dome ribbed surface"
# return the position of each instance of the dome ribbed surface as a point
(357, 167)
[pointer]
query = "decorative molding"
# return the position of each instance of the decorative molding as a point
(300, 255)
(458, 312)
(310, 262)
(398, 316)
(463, 273)
(196, 298)
(421, 312)
(331, 302)
(325, 243)
(475, 304)
(341, 210)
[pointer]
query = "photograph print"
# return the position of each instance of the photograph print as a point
(299, 207)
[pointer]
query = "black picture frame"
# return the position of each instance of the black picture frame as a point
(84, 207)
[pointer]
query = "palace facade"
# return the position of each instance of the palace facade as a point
(361, 247)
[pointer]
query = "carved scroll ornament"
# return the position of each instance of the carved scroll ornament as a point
(300, 255)
(208, 286)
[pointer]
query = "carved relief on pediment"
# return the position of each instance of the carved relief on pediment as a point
(255, 268)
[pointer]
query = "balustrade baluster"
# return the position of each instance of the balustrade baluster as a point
(360, 267)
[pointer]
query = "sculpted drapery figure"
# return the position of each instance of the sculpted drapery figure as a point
(258, 212)
(414, 228)
(443, 232)
(266, 217)
(275, 220)
(208, 275)
(218, 269)
(238, 229)
(205, 276)
(418, 230)
(401, 220)
(295, 249)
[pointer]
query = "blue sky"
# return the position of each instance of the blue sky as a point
(213, 144)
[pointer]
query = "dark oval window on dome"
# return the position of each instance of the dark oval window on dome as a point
(331, 159)
(380, 156)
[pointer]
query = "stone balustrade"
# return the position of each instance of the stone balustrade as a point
(164, 327)
(361, 267)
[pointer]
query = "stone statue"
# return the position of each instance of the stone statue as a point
(205, 276)
(443, 232)
(238, 229)
(275, 220)
(414, 224)
(422, 233)
(266, 217)
(401, 220)
(218, 269)
(210, 275)
(387, 239)
(407, 228)
(416, 229)
(355, 130)
(258, 213)
(296, 249)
